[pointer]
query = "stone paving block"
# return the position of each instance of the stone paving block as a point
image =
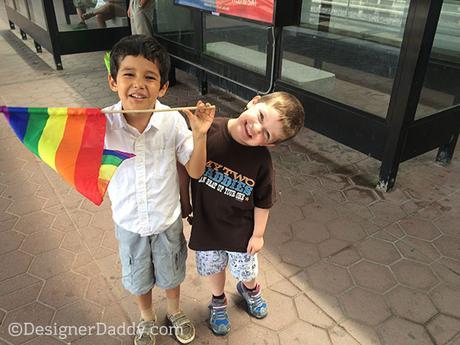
(17, 283)
(414, 274)
(43, 241)
(81, 218)
(310, 231)
(35, 313)
(277, 233)
(449, 225)
(20, 189)
(204, 336)
(303, 333)
(102, 219)
(34, 222)
(7, 221)
(448, 270)
(332, 247)
(73, 242)
(311, 313)
(378, 251)
(81, 313)
(253, 334)
(362, 333)
(109, 240)
(373, 276)
(341, 337)
(411, 304)
(443, 328)
(285, 287)
(398, 331)
(365, 306)
(364, 196)
(13, 264)
(334, 181)
(98, 292)
(449, 246)
(390, 233)
(417, 249)
(345, 229)
(9, 241)
(52, 263)
(346, 257)
(420, 228)
(386, 212)
(276, 301)
(91, 236)
(114, 315)
(330, 278)
(20, 297)
(63, 289)
(26, 205)
(285, 213)
(294, 196)
(327, 302)
(101, 340)
(455, 341)
(447, 300)
(319, 212)
(299, 254)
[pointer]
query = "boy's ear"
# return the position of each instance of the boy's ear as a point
(253, 101)
(163, 89)
(112, 83)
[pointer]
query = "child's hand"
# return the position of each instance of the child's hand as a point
(255, 245)
(202, 119)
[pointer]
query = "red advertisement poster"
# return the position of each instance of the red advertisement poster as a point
(260, 10)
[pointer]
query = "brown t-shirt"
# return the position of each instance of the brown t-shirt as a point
(237, 179)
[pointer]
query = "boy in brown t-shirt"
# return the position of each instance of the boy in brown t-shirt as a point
(231, 200)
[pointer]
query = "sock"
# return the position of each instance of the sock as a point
(219, 297)
(251, 290)
(219, 301)
(148, 314)
(172, 305)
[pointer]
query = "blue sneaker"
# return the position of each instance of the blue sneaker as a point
(218, 317)
(257, 306)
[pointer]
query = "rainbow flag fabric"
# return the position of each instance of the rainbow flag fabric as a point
(70, 141)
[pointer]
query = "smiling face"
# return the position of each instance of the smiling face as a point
(259, 125)
(138, 83)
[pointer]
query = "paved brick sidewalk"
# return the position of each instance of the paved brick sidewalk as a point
(343, 264)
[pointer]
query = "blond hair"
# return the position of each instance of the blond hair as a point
(291, 112)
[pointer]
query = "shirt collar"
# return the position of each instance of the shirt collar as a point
(119, 120)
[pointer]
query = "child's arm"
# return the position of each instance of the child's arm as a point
(184, 182)
(256, 242)
(200, 123)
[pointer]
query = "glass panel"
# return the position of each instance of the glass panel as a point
(235, 41)
(10, 3)
(346, 50)
(174, 22)
(37, 13)
(21, 7)
(441, 88)
(90, 14)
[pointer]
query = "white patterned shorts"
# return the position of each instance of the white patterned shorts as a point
(242, 266)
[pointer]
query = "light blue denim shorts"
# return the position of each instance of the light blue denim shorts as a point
(152, 260)
(242, 266)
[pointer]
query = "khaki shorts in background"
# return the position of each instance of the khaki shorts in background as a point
(142, 18)
(152, 260)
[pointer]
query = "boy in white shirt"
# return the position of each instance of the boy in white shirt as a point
(144, 190)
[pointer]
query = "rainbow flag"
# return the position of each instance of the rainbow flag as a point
(70, 141)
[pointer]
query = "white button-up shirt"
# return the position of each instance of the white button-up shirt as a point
(144, 190)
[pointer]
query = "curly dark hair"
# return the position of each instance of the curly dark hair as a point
(140, 45)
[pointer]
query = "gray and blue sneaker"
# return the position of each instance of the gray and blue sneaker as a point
(256, 305)
(218, 317)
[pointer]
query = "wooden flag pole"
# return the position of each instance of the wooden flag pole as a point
(155, 110)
